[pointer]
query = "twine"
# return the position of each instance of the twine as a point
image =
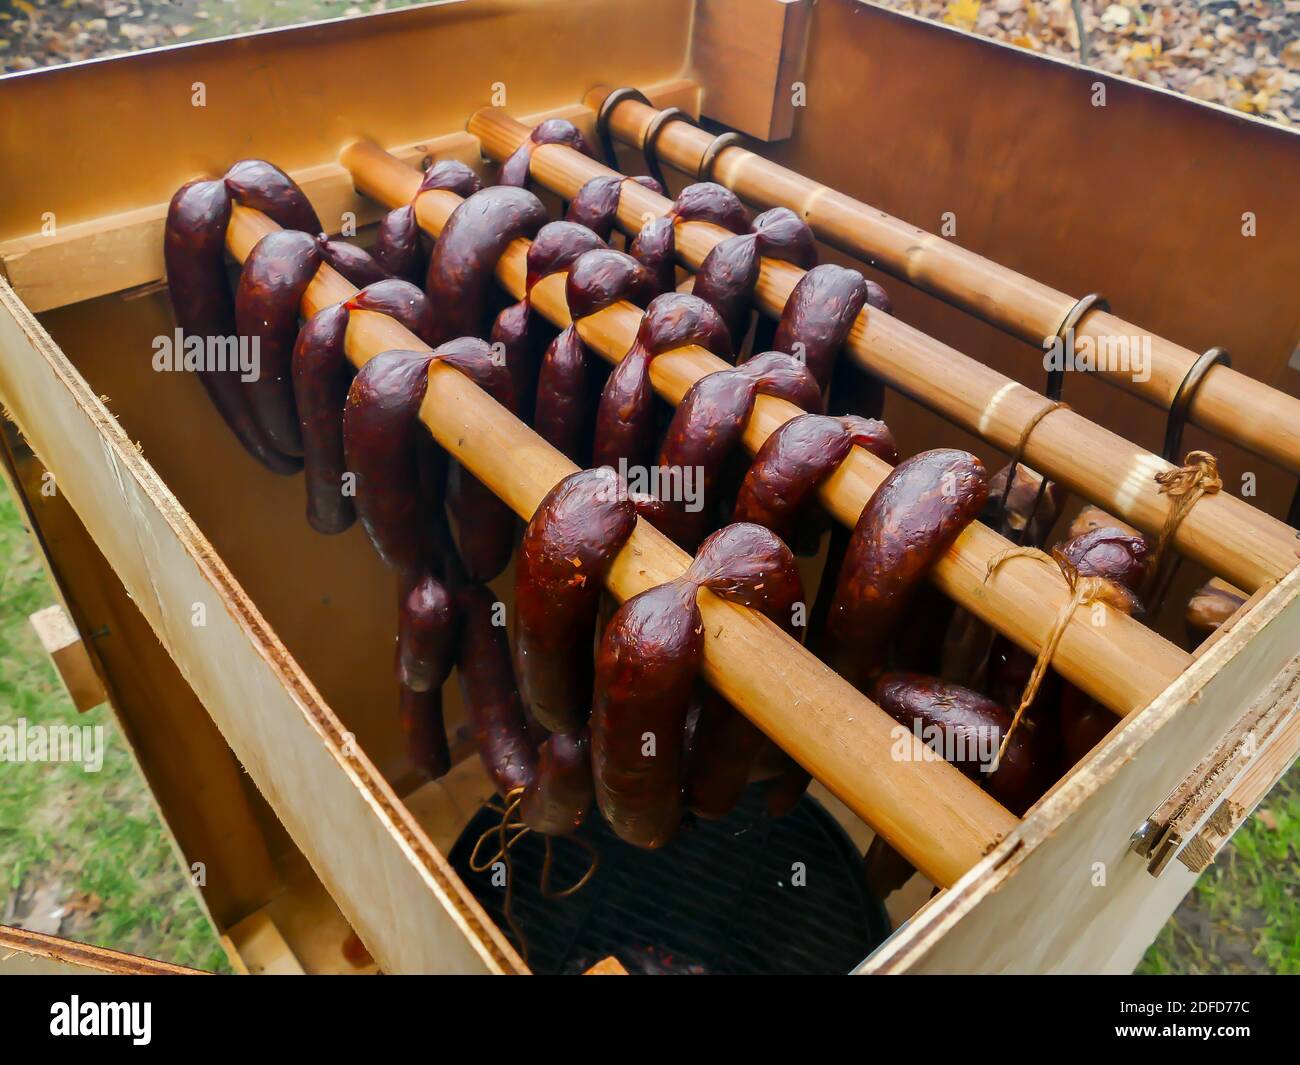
(1184, 485)
(505, 841)
(1082, 590)
(1017, 459)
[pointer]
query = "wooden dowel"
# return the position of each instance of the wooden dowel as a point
(1227, 402)
(1223, 533)
(1123, 665)
(942, 822)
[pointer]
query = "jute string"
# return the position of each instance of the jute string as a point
(1082, 590)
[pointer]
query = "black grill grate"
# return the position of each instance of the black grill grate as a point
(719, 899)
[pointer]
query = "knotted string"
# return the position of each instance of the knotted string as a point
(1082, 590)
(1184, 485)
(1017, 459)
(502, 831)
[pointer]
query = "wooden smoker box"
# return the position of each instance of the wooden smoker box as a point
(267, 732)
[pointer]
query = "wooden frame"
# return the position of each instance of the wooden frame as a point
(378, 864)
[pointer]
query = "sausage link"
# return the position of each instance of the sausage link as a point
(966, 729)
(271, 286)
(420, 714)
(321, 375)
(426, 629)
(646, 673)
(514, 171)
(728, 274)
(466, 253)
(567, 549)
(557, 800)
(194, 239)
(399, 246)
(795, 460)
(906, 526)
(706, 429)
(818, 316)
(596, 204)
(625, 415)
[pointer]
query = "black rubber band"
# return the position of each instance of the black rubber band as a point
(606, 113)
(649, 144)
(1182, 400)
(716, 147)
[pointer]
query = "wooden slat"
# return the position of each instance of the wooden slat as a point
(392, 885)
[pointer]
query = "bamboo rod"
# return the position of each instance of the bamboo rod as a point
(1223, 533)
(942, 822)
(1123, 664)
(1227, 402)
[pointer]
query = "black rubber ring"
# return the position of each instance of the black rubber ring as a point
(1182, 400)
(649, 145)
(716, 147)
(606, 113)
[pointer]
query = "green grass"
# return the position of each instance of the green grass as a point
(91, 841)
(1244, 915)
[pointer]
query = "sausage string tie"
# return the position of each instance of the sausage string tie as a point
(502, 832)
(1184, 485)
(1082, 590)
(1017, 457)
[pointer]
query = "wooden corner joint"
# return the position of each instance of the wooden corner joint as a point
(1211, 803)
(71, 658)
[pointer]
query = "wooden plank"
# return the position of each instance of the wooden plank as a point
(747, 55)
(1073, 847)
(34, 953)
(262, 949)
(393, 886)
(1246, 794)
(63, 643)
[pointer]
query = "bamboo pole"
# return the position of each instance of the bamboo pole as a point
(942, 822)
(1227, 402)
(1226, 535)
(1123, 664)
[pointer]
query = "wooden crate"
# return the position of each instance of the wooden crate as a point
(248, 659)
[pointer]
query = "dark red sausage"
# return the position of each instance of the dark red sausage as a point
(194, 242)
(194, 251)
(259, 185)
(1109, 553)
(465, 256)
(625, 417)
(553, 782)
(580, 526)
(487, 686)
(399, 245)
(646, 671)
(426, 734)
(818, 316)
(596, 205)
(354, 264)
(726, 744)
(966, 729)
(600, 278)
(514, 171)
(321, 374)
(796, 459)
(728, 274)
(271, 286)
(557, 801)
(426, 630)
(706, 430)
(380, 431)
(707, 201)
(562, 415)
(905, 528)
